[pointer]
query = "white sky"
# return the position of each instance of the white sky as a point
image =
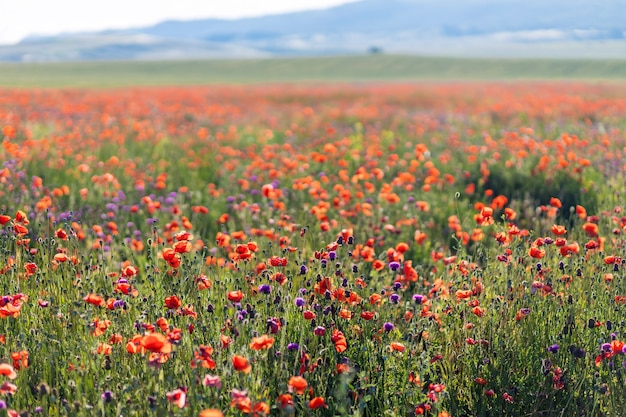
(20, 18)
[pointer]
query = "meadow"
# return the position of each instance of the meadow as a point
(349, 69)
(448, 249)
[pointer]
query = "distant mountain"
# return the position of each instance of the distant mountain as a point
(567, 28)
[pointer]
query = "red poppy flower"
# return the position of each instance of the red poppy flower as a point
(172, 302)
(317, 402)
(156, 342)
(367, 315)
(398, 347)
(284, 400)
(241, 364)
(261, 342)
(591, 229)
(235, 296)
(95, 300)
(298, 384)
(339, 340)
(7, 370)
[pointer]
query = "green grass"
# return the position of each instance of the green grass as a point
(336, 69)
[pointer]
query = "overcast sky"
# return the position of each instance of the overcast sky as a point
(21, 18)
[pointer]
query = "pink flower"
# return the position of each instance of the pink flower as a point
(212, 381)
(178, 397)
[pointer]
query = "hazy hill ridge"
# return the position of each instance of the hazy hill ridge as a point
(435, 27)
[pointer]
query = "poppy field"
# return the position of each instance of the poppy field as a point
(438, 249)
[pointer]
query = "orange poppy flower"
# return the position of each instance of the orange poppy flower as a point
(156, 342)
(398, 347)
(478, 311)
(569, 249)
(378, 265)
(95, 300)
(555, 202)
(261, 342)
(375, 299)
(463, 294)
(129, 271)
(7, 370)
(241, 364)
(284, 400)
(342, 368)
(226, 340)
(298, 384)
(235, 296)
(203, 282)
(591, 229)
(339, 340)
(317, 402)
(171, 257)
(480, 381)
(367, 315)
(536, 253)
(510, 213)
(104, 349)
(99, 326)
(12, 309)
(20, 359)
(172, 302)
(21, 217)
(134, 345)
(60, 257)
(182, 246)
(346, 314)
(260, 409)
(415, 378)
(402, 247)
(183, 235)
(211, 412)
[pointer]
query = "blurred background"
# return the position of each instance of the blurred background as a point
(249, 40)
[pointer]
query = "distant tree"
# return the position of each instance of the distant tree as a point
(374, 50)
